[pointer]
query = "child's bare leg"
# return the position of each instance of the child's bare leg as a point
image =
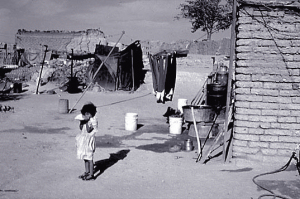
(91, 168)
(86, 164)
(86, 173)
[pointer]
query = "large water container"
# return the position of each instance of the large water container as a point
(216, 95)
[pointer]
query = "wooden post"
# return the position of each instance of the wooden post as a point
(132, 70)
(227, 135)
(5, 55)
(197, 135)
(40, 74)
(72, 65)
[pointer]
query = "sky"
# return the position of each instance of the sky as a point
(140, 19)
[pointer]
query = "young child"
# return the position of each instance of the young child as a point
(85, 141)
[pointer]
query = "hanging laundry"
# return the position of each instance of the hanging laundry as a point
(163, 66)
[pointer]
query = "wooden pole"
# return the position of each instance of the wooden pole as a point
(72, 65)
(132, 70)
(229, 84)
(5, 55)
(123, 32)
(197, 135)
(40, 74)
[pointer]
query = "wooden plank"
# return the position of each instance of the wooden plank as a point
(200, 95)
(132, 71)
(206, 154)
(207, 136)
(229, 84)
(197, 135)
(40, 73)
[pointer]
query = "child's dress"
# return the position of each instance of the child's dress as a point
(85, 141)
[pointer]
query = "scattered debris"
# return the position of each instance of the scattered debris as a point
(172, 113)
(52, 92)
(175, 148)
(6, 108)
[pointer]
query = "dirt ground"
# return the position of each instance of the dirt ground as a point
(38, 154)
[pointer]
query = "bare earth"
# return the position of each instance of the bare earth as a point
(38, 154)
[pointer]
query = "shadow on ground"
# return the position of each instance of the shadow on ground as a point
(101, 165)
(171, 144)
(239, 170)
(285, 188)
(34, 129)
(6, 97)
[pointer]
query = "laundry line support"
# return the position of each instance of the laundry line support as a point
(40, 73)
(72, 64)
(132, 70)
(123, 32)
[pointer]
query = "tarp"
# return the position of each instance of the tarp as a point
(121, 71)
(23, 60)
(32, 57)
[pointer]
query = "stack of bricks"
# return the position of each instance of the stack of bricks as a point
(267, 93)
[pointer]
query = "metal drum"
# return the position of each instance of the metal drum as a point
(216, 100)
(202, 113)
(216, 95)
(17, 87)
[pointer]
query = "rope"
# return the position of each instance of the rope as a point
(273, 172)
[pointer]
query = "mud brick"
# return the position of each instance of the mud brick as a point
(268, 138)
(246, 137)
(242, 143)
(246, 150)
(269, 151)
(258, 144)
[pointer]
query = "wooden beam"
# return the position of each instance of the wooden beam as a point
(72, 64)
(227, 134)
(132, 70)
(40, 74)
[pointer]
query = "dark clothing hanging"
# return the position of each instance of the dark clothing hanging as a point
(163, 66)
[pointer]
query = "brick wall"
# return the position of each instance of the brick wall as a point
(267, 94)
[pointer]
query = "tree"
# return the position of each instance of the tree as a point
(208, 15)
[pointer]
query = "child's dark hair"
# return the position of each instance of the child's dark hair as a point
(89, 108)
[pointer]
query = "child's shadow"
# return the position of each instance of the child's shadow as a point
(102, 165)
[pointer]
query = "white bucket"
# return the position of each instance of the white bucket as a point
(175, 125)
(96, 89)
(131, 120)
(181, 103)
(63, 106)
